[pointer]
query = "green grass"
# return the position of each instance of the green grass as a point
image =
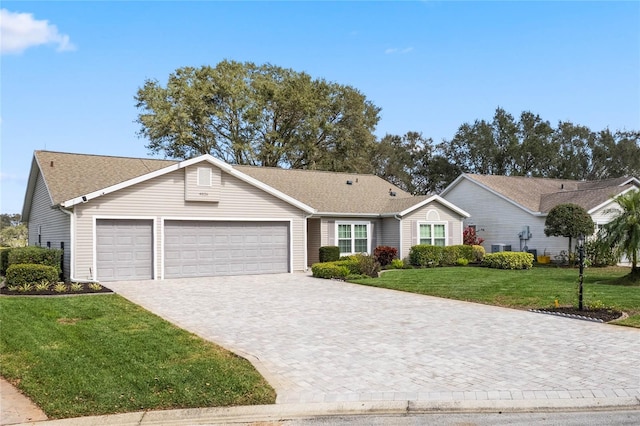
(91, 355)
(525, 289)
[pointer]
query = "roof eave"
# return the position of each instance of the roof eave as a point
(343, 214)
(437, 199)
(31, 188)
(497, 194)
(612, 199)
(206, 157)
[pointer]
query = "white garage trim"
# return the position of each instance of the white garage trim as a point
(221, 219)
(95, 241)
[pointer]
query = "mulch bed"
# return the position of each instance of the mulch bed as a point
(51, 292)
(597, 315)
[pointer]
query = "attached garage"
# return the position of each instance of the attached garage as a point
(124, 249)
(214, 248)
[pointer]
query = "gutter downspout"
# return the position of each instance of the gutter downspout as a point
(72, 265)
(399, 219)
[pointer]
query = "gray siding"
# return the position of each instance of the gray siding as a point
(499, 221)
(432, 212)
(163, 198)
(53, 224)
(313, 241)
(390, 234)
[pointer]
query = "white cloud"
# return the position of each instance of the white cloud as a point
(19, 31)
(394, 50)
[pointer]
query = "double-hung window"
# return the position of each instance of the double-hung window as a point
(353, 238)
(433, 234)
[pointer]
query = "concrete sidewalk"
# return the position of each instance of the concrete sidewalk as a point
(15, 407)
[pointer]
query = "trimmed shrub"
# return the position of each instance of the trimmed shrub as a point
(329, 270)
(396, 264)
(478, 253)
(385, 254)
(36, 255)
(462, 262)
(509, 260)
(329, 253)
(451, 254)
(4, 260)
(21, 274)
(367, 265)
(425, 255)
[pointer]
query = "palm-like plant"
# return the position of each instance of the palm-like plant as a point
(623, 232)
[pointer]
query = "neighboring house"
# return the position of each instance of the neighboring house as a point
(511, 210)
(137, 219)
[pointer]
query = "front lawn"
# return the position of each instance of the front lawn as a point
(534, 288)
(91, 355)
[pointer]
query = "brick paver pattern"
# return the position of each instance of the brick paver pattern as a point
(328, 341)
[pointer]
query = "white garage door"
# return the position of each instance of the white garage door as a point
(207, 248)
(124, 249)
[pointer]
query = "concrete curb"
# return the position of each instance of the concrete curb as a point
(262, 413)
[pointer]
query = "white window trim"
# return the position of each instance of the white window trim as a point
(434, 222)
(353, 235)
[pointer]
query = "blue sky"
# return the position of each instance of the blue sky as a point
(70, 70)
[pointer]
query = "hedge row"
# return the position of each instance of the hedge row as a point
(35, 255)
(428, 256)
(359, 264)
(509, 260)
(21, 274)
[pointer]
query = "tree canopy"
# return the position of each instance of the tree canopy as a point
(260, 115)
(568, 220)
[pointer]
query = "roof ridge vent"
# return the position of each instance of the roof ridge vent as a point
(349, 182)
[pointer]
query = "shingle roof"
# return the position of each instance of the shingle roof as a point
(542, 194)
(329, 192)
(69, 176)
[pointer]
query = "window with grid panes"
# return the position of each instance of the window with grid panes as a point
(433, 234)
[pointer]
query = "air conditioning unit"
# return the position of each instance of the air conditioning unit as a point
(495, 248)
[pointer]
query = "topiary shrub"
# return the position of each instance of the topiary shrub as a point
(425, 255)
(21, 274)
(462, 262)
(330, 270)
(36, 255)
(508, 260)
(385, 254)
(329, 253)
(478, 253)
(4, 259)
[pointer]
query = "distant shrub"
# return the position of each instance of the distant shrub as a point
(329, 270)
(36, 255)
(329, 253)
(508, 260)
(425, 255)
(470, 238)
(478, 253)
(4, 260)
(21, 274)
(599, 253)
(384, 255)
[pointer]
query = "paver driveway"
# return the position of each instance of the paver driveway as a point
(323, 341)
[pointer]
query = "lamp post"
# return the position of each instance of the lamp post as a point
(581, 260)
